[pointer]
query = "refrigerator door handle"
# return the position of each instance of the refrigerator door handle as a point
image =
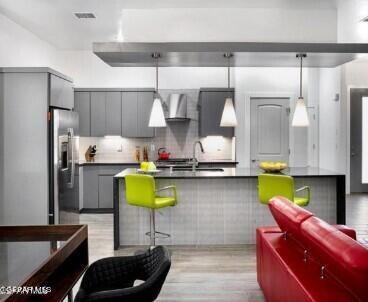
(72, 162)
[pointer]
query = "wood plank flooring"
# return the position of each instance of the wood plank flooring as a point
(209, 273)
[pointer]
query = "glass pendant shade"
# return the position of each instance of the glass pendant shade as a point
(228, 118)
(157, 117)
(300, 118)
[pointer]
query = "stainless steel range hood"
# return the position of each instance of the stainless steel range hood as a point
(177, 108)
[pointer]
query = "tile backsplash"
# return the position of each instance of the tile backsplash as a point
(177, 138)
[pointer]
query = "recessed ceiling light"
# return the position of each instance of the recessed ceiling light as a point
(85, 15)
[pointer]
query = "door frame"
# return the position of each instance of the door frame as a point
(246, 148)
(348, 151)
(347, 136)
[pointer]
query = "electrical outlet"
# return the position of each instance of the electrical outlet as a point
(153, 147)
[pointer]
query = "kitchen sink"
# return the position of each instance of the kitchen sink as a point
(199, 169)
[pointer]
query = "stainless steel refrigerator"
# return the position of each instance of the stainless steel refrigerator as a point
(64, 178)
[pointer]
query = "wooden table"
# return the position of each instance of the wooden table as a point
(52, 256)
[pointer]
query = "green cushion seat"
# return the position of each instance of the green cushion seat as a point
(271, 185)
(140, 191)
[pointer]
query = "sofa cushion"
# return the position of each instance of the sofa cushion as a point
(288, 215)
(344, 257)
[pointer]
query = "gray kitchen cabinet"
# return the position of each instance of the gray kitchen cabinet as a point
(105, 191)
(113, 113)
(211, 105)
(124, 113)
(61, 92)
(98, 182)
(98, 114)
(90, 187)
(83, 107)
(129, 114)
(145, 102)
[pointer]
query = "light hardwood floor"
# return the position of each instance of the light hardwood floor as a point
(209, 273)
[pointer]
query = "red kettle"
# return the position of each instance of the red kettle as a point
(162, 154)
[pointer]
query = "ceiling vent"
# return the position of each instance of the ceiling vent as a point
(85, 15)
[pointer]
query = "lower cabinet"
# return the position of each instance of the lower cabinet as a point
(105, 191)
(97, 194)
(90, 187)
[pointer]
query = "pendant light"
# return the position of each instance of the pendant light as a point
(228, 118)
(300, 117)
(157, 117)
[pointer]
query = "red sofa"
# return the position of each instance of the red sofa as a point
(306, 259)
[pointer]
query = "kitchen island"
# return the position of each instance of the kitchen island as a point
(219, 206)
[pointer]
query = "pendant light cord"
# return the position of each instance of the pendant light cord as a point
(228, 56)
(301, 77)
(156, 75)
(228, 72)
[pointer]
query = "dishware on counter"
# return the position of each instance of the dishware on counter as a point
(162, 154)
(148, 167)
(272, 167)
(90, 153)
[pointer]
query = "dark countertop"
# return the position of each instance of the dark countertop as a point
(117, 163)
(234, 173)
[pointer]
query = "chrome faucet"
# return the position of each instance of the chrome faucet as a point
(194, 159)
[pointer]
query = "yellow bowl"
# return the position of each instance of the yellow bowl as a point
(144, 165)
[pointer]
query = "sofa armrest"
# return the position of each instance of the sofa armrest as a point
(346, 230)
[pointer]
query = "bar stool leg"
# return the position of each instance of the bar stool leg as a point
(153, 228)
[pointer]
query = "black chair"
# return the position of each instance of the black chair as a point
(112, 279)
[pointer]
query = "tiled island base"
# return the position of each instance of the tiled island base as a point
(215, 211)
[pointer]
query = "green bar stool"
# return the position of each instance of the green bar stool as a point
(271, 185)
(140, 191)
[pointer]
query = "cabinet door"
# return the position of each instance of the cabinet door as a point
(129, 114)
(210, 113)
(105, 191)
(83, 107)
(61, 93)
(145, 102)
(98, 113)
(113, 113)
(90, 187)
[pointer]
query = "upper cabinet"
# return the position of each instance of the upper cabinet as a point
(145, 102)
(123, 113)
(61, 92)
(113, 113)
(136, 110)
(98, 114)
(82, 102)
(211, 105)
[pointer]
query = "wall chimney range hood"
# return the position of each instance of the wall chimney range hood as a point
(177, 108)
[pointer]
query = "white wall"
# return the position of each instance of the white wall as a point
(329, 114)
(230, 24)
(19, 47)
(349, 27)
